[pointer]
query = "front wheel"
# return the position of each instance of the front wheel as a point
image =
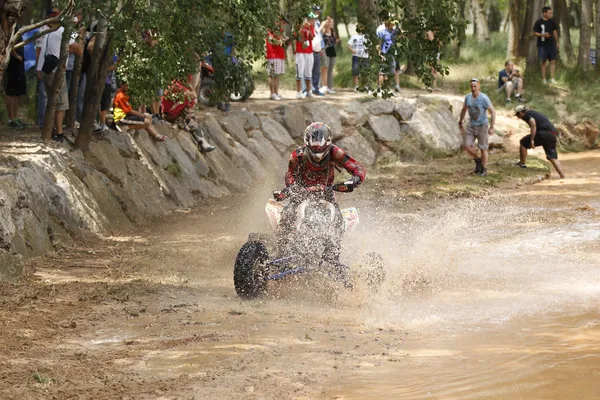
(246, 91)
(205, 91)
(250, 271)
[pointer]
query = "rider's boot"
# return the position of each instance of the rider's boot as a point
(203, 144)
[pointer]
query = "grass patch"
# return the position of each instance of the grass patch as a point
(174, 169)
(44, 380)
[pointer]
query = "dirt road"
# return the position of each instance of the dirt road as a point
(492, 297)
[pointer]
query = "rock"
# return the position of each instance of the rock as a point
(277, 134)
(359, 111)
(326, 113)
(588, 131)
(268, 155)
(496, 142)
(358, 147)
(251, 122)
(225, 172)
(405, 108)
(434, 126)
(386, 128)
(31, 236)
(293, 119)
(244, 159)
(381, 106)
(11, 266)
(215, 135)
(235, 124)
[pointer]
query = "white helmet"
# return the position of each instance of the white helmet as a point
(317, 138)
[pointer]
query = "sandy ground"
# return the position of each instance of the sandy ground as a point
(486, 297)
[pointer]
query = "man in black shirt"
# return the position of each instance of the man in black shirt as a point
(543, 133)
(545, 29)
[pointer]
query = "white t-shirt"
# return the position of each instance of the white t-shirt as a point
(52, 42)
(357, 42)
(317, 42)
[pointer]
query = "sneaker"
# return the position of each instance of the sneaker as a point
(507, 102)
(331, 91)
(58, 138)
(520, 99)
(520, 165)
(97, 128)
(309, 94)
(545, 81)
(553, 81)
(299, 96)
(273, 96)
(278, 96)
(324, 89)
(318, 93)
(483, 172)
(356, 88)
(397, 89)
(478, 166)
(12, 123)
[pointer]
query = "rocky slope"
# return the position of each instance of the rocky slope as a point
(48, 195)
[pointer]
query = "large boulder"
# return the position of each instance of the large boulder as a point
(267, 154)
(277, 134)
(326, 113)
(235, 124)
(358, 147)
(381, 106)
(386, 128)
(293, 119)
(216, 135)
(405, 108)
(358, 113)
(434, 126)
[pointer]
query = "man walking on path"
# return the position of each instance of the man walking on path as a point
(478, 104)
(545, 29)
(543, 133)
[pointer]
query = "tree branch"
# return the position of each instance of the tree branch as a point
(33, 38)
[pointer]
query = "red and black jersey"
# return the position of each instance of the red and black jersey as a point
(305, 172)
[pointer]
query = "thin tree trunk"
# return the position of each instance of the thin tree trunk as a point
(532, 54)
(514, 8)
(585, 35)
(482, 31)
(565, 28)
(597, 25)
(345, 19)
(96, 75)
(59, 79)
(70, 116)
(334, 15)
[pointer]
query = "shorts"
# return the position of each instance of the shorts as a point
(359, 63)
(304, 66)
(106, 98)
(133, 120)
(393, 66)
(62, 103)
(275, 66)
(547, 53)
(545, 139)
(477, 132)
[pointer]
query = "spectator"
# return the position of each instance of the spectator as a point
(545, 29)
(431, 38)
(328, 60)
(387, 34)
(178, 107)
(304, 54)
(107, 94)
(276, 59)
(16, 85)
(318, 52)
(49, 54)
(125, 115)
(509, 80)
(79, 36)
(360, 57)
(543, 133)
(478, 104)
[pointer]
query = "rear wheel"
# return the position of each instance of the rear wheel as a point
(245, 92)
(204, 94)
(250, 271)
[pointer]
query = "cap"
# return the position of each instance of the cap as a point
(311, 15)
(316, 8)
(53, 12)
(521, 108)
(474, 80)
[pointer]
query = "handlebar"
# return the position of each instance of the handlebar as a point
(346, 187)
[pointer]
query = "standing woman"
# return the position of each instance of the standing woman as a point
(328, 61)
(16, 86)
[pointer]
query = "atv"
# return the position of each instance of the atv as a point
(309, 244)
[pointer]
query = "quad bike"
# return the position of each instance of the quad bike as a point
(207, 83)
(311, 244)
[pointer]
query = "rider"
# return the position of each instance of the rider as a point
(314, 164)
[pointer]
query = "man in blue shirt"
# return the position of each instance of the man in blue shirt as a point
(388, 34)
(509, 79)
(478, 104)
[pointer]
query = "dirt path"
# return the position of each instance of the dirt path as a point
(475, 281)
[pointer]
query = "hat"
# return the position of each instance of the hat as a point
(53, 12)
(316, 8)
(312, 15)
(474, 80)
(520, 109)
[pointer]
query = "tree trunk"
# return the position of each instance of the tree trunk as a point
(59, 79)
(514, 8)
(96, 75)
(532, 53)
(494, 17)
(597, 35)
(562, 14)
(482, 31)
(334, 15)
(527, 27)
(70, 116)
(585, 35)
(344, 16)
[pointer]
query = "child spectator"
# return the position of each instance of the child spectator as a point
(125, 115)
(276, 59)
(304, 55)
(360, 57)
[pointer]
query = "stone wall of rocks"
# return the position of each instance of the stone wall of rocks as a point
(48, 194)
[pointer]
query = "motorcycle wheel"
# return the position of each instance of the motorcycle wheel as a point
(372, 271)
(205, 91)
(246, 92)
(249, 272)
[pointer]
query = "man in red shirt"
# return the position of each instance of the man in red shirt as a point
(276, 43)
(304, 55)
